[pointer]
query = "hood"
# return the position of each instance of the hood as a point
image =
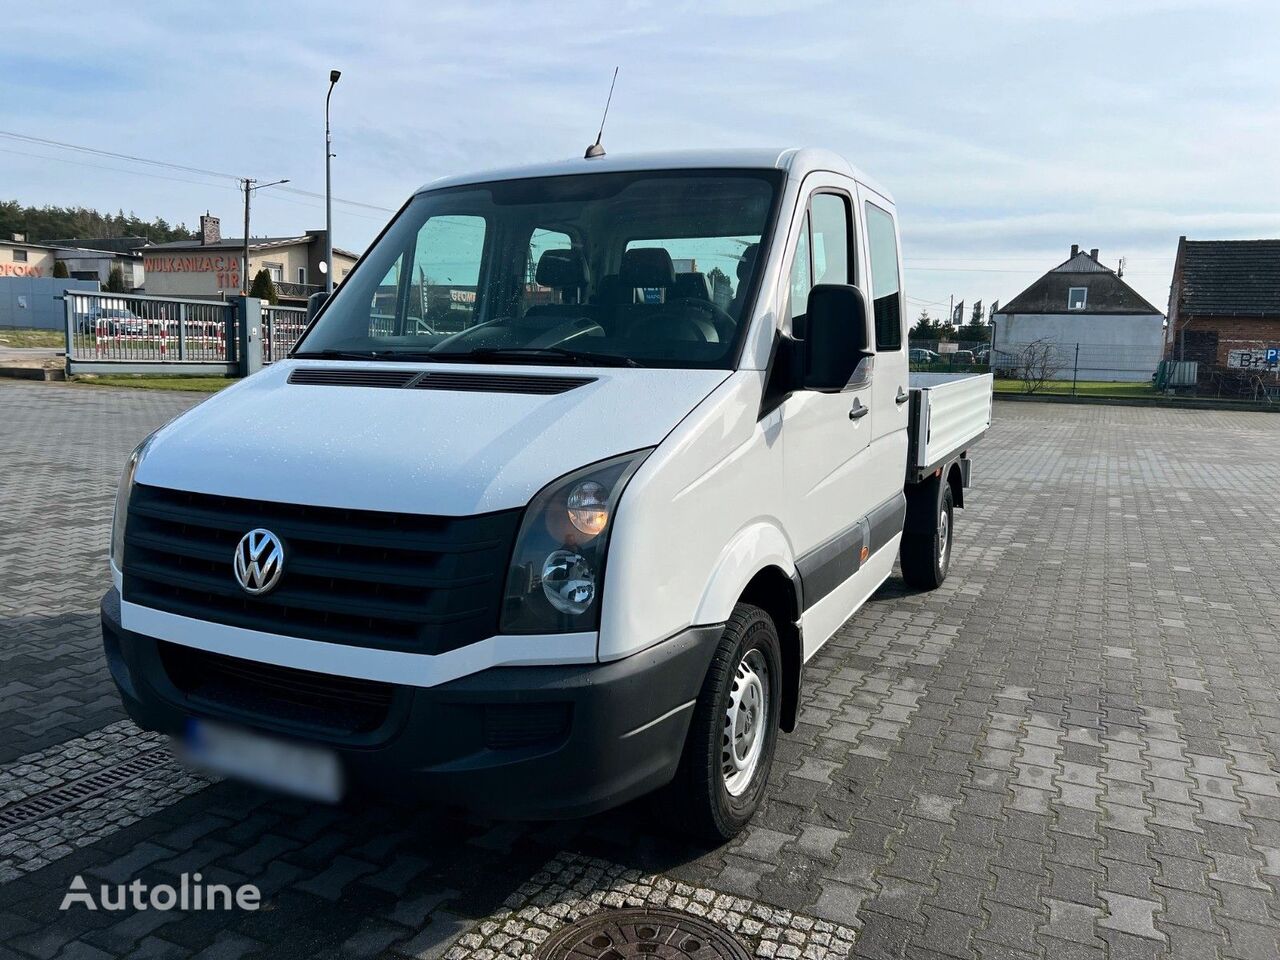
(406, 450)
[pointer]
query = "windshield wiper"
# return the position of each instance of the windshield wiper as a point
(536, 354)
(343, 355)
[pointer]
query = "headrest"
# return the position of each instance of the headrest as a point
(561, 268)
(748, 260)
(691, 286)
(647, 267)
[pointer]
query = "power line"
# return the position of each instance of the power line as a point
(130, 158)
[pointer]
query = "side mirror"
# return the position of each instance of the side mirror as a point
(835, 340)
(314, 303)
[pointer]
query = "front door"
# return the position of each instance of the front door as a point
(825, 436)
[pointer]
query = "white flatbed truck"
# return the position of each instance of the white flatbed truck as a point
(554, 498)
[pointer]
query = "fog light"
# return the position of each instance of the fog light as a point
(568, 582)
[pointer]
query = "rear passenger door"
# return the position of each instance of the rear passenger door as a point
(888, 453)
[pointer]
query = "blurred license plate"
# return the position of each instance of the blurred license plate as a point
(303, 770)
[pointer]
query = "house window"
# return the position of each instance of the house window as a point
(1077, 297)
(19, 256)
(302, 275)
(276, 271)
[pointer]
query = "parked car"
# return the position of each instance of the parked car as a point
(921, 355)
(110, 320)
(963, 357)
(578, 551)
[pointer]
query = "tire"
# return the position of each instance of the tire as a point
(746, 668)
(928, 535)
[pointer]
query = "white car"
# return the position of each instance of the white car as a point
(579, 550)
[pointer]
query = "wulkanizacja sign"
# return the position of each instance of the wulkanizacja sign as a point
(226, 270)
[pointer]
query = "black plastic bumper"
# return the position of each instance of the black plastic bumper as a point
(623, 731)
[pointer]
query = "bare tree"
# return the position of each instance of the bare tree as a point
(1036, 363)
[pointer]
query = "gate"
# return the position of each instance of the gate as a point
(132, 333)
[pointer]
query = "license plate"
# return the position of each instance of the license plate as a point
(303, 770)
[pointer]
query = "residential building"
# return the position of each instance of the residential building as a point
(19, 258)
(209, 265)
(1086, 319)
(1224, 305)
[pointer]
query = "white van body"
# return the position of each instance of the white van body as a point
(794, 506)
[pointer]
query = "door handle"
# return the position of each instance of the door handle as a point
(859, 410)
(902, 397)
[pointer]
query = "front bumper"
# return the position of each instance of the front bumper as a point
(527, 742)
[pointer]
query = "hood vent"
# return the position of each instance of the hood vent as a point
(466, 382)
(499, 383)
(337, 377)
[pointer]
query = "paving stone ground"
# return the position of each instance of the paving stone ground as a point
(1070, 750)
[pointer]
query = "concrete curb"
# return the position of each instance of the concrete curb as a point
(1190, 403)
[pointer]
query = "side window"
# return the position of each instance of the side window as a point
(886, 288)
(446, 272)
(830, 215)
(382, 309)
(801, 279)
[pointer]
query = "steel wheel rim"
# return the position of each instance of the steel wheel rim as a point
(944, 536)
(745, 723)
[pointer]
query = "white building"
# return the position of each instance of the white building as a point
(1096, 325)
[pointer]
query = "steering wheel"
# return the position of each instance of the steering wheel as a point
(717, 328)
(721, 319)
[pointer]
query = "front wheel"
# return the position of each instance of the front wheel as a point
(729, 749)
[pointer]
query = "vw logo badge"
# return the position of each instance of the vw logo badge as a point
(259, 561)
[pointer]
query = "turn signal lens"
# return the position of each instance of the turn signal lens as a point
(589, 507)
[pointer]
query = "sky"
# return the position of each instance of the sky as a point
(1006, 130)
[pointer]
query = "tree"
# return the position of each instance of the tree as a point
(264, 288)
(975, 331)
(60, 270)
(42, 224)
(115, 281)
(1035, 364)
(926, 328)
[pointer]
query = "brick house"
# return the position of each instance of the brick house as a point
(1224, 305)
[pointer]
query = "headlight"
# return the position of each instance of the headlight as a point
(120, 517)
(557, 567)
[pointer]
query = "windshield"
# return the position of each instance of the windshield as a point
(636, 269)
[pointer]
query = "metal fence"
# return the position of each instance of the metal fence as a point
(281, 329)
(132, 333)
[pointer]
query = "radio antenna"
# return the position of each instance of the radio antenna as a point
(596, 150)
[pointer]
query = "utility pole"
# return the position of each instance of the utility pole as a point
(328, 188)
(249, 185)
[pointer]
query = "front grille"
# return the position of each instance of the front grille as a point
(359, 577)
(298, 697)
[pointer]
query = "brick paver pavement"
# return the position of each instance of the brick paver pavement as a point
(1070, 750)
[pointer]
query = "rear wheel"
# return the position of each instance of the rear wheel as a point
(927, 534)
(729, 749)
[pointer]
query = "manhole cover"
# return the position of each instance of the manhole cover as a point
(628, 934)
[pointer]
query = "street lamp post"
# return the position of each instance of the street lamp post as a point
(328, 188)
(249, 185)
